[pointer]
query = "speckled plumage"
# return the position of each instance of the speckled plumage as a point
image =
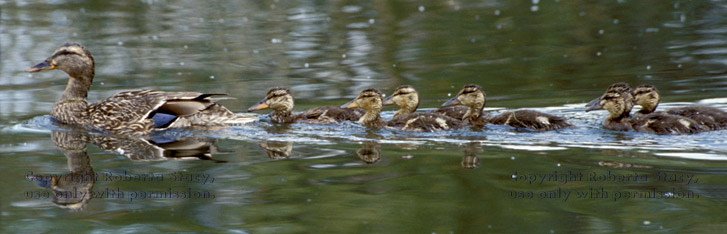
(474, 97)
(619, 104)
(128, 112)
(648, 97)
(281, 101)
(407, 98)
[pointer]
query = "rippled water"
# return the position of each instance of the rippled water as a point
(550, 56)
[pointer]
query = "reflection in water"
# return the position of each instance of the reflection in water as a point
(370, 152)
(158, 148)
(74, 189)
(277, 149)
(81, 177)
(469, 159)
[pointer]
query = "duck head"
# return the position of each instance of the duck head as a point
(618, 104)
(279, 99)
(368, 99)
(616, 88)
(471, 96)
(647, 96)
(406, 97)
(72, 58)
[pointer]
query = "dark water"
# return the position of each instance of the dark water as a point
(546, 55)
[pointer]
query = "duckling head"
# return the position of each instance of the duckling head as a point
(368, 99)
(618, 104)
(405, 97)
(279, 99)
(617, 88)
(647, 96)
(471, 96)
(72, 58)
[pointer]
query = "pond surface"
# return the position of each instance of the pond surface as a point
(550, 56)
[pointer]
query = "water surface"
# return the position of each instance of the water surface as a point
(550, 56)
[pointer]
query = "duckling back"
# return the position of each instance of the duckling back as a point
(662, 123)
(425, 122)
(530, 119)
(711, 117)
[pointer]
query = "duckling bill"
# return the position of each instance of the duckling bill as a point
(131, 112)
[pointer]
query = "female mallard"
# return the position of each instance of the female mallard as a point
(132, 112)
(648, 97)
(371, 101)
(619, 104)
(281, 102)
(407, 98)
(474, 97)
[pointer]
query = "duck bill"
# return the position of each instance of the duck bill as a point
(389, 101)
(262, 105)
(45, 65)
(351, 104)
(594, 104)
(452, 102)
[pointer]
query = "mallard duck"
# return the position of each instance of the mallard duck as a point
(474, 97)
(371, 101)
(407, 98)
(132, 112)
(618, 104)
(648, 97)
(281, 102)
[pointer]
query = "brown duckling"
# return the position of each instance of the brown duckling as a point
(648, 97)
(281, 102)
(474, 97)
(131, 112)
(371, 101)
(407, 98)
(618, 106)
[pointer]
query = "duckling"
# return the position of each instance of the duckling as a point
(615, 87)
(474, 97)
(407, 98)
(371, 101)
(648, 97)
(618, 105)
(131, 112)
(281, 101)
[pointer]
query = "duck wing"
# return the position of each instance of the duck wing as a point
(530, 119)
(135, 111)
(662, 123)
(425, 122)
(713, 118)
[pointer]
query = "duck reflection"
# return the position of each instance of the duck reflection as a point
(74, 189)
(158, 148)
(70, 190)
(277, 149)
(470, 160)
(370, 152)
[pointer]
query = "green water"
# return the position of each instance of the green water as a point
(264, 178)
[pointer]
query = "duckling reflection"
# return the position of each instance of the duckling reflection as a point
(277, 149)
(370, 152)
(470, 160)
(81, 178)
